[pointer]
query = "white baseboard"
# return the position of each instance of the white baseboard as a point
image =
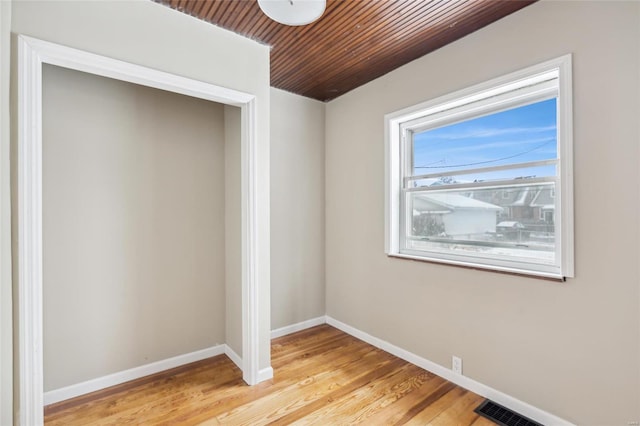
(283, 331)
(265, 374)
(99, 383)
(510, 402)
(93, 385)
(521, 407)
(233, 356)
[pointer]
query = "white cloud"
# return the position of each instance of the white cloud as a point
(484, 146)
(491, 132)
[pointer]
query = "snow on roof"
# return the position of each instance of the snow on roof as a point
(510, 224)
(454, 201)
(544, 199)
(522, 198)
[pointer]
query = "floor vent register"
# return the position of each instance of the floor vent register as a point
(503, 416)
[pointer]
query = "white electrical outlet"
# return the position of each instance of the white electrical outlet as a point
(456, 364)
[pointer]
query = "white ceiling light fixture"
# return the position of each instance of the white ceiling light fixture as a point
(293, 12)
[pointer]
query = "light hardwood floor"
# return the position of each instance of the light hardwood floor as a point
(322, 376)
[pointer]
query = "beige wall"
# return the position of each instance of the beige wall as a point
(571, 349)
(233, 253)
(297, 209)
(133, 225)
(6, 364)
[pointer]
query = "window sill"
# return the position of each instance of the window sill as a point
(480, 267)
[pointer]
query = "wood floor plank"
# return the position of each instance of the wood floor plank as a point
(142, 403)
(192, 368)
(460, 413)
(481, 421)
(439, 401)
(300, 395)
(363, 380)
(231, 399)
(129, 406)
(346, 362)
(389, 396)
(322, 376)
(398, 412)
(354, 406)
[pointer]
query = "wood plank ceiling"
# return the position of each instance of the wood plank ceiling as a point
(355, 41)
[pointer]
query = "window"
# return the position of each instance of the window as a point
(482, 177)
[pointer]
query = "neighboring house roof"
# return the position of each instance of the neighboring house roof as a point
(544, 199)
(435, 202)
(533, 196)
(510, 224)
(522, 198)
(504, 198)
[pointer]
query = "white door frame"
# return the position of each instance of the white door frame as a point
(32, 54)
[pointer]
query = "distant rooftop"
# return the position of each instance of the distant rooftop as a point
(455, 202)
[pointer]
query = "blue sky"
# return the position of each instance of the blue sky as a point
(518, 135)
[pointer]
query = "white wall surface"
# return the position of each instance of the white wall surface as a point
(6, 364)
(152, 35)
(133, 226)
(572, 349)
(297, 209)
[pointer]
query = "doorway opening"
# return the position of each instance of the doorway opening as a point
(33, 54)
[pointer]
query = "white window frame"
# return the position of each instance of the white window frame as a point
(499, 93)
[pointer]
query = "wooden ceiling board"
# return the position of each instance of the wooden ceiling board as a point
(355, 41)
(350, 78)
(199, 6)
(366, 44)
(378, 47)
(345, 34)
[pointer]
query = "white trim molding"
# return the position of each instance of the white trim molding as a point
(250, 347)
(516, 405)
(72, 391)
(303, 325)
(265, 374)
(30, 235)
(233, 356)
(32, 55)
